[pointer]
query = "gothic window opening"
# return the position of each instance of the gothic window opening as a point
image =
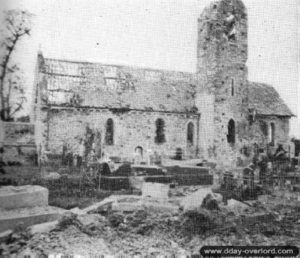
(272, 134)
(232, 87)
(231, 132)
(178, 154)
(109, 135)
(190, 133)
(139, 151)
(160, 131)
(264, 128)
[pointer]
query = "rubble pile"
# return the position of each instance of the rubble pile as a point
(12, 242)
(136, 225)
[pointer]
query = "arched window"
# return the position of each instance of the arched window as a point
(109, 133)
(264, 128)
(178, 154)
(272, 134)
(231, 132)
(190, 133)
(160, 131)
(139, 150)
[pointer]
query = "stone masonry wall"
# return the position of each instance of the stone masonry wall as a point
(259, 131)
(222, 56)
(40, 110)
(91, 93)
(131, 129)
(205, 104)
(17, 133)
(74, 95)
(17, 143)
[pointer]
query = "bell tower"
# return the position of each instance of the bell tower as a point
(222, 41)
(222, 53)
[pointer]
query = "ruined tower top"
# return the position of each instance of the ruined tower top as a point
(222, 35)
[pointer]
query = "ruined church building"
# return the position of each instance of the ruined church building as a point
(214, 114)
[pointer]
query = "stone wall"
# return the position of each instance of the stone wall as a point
(73, 95)
(18, 143)
(222, 56)
(17, 133)
(205, 104)
(131, 129)
(260, 131)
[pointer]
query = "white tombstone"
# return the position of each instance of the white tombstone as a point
(155, 190)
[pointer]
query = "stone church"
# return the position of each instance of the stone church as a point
(214, 114)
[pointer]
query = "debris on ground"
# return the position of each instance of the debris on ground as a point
(210, 203)
(236, 207)
(5, 235)
(195, 199)
(152, 226)
(43, 227)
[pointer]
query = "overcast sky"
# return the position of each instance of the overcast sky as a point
(160, 34)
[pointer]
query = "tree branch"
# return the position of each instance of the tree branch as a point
(17, 25)
(18, 108)
(3, 74)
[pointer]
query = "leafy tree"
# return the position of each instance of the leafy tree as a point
(16, 25)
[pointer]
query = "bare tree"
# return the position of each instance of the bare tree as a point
(16, 25)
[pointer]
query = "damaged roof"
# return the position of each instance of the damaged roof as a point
(114, 86)
(118, 87)
(266, 100)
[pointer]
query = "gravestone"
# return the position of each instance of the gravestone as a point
(23, 196)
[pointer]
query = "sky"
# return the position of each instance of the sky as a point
(160, 34)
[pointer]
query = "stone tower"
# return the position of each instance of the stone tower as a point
(221, 68)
